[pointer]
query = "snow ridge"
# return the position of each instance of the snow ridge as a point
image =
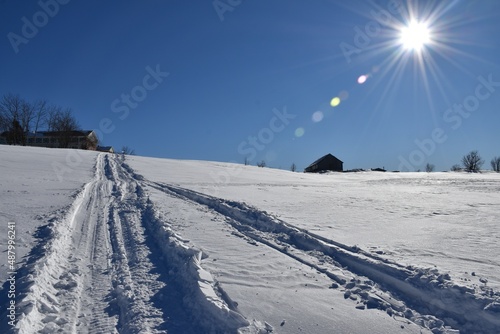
(423, 296)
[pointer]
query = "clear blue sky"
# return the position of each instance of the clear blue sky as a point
(229, 67)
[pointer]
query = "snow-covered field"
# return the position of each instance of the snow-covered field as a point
(106, 245)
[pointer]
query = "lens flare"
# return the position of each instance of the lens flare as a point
(335, 102)
(343, 95)
(299, 132)
(362, 79)
(317, 116)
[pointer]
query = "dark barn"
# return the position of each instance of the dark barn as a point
(324, 164)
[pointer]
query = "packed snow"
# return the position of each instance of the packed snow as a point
(108, 243)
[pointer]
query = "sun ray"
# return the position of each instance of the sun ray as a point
(438, 77)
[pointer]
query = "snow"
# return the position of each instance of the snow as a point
(106, 244)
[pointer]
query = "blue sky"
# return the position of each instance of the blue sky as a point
(231, 79)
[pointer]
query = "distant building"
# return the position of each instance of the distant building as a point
(58, 139)
(107, 149)
(324, 164)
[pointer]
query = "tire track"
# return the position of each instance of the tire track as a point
(94, 314)
(136, 280)
(190, 296)
(423, 296)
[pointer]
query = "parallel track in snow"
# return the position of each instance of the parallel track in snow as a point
(86, 282)
(104, 268)
(69, 285)
(422, 295)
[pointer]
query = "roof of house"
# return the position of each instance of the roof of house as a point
(75, 133)
(323, 158)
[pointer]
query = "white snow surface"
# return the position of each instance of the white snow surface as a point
(107, 244)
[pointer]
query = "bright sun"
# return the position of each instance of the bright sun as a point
(415, 36)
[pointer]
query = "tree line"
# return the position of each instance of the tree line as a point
(472, 162)
(19, 117)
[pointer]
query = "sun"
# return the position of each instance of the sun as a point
(415, 36)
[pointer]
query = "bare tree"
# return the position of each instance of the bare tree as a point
(10, 110)
(15, 134)
(4, 123)
(10, 106)
(261, 164)
(495, 164)
(29, 115)
(51, 117)
(16, 113)
(65, 123)
(456, 168)
(246, 161)
(127, 150)
(472, 162)
(429, 168)
(293, 167)
(40, 114)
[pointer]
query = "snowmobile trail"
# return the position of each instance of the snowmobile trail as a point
(423, 296)
(69, 285)
(75, 285)
(109, 265)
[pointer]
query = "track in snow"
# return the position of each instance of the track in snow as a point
(101, 266)
(424, 296)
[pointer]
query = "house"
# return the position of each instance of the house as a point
(58, 139)
(63, 139)
(107, 149)
(325, 163)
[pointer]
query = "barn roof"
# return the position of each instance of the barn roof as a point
(323, 158)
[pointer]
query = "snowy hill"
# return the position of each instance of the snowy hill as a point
(106, 245)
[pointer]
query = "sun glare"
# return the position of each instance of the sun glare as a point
(415, 36)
